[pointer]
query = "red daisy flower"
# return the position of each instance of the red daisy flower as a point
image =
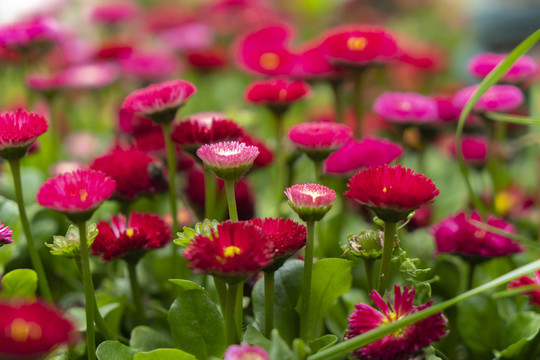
(76, 194)
(233, 249)
(525, 281)
(458, 235)
(285, 236)
(319, 139)
(134, 171)
(18, 130)
(313, 62)
(31, 330)
(405, 342)
(208, 60)
(130, 239)
(6, 235)
(276, 91)
(310, 201)
(245, 352)
(229, 160)
(133, 124)
(392, 192)
(265, 155)
(160, 101)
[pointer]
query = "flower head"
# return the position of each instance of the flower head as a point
(265, 156)
(276, 91)
(112, 13)
(89, 76)
(44, 83)
(128, 239)
(77, 194)
(527, 281)
(229, 159)
(310, 201)
(313, 62)
(406, 108)
(459, 235)
(482, 64)
(208, 59)
(474, 149)
(160, 101)
(18, 130)
(496, 98)
(245, 352)
(405, 342)
(6, 235)
(392, 192)
(40, 32)
(355, 155)
(149, 66)
(31, 330)
(319, 139)
(235, 249)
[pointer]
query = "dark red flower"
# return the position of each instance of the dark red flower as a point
(285, 236)
(527, 281)
(392, 192)
(134, 124)
(153, 143)
(459, 235)
(114, 50)
(18, 130)
(233, 249)
(31, 330)
(207, 60)
(265, 156)
(276, 91)
(129, 239)
(406, 341)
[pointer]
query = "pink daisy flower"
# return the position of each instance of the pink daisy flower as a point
(392, 192)
(310, 201)
(229, 159)
(44, 83)
(447, 111)
(90, 76)
(405, 342)
(112, 13)
(149, 66)
(474, 149)
(276, 91)
(496, 98)
(77, 194)
(319, 139)
(18, 131)
(245, 352)
(313, 62)
(406, 108)
(6, 235)
(41, 32)
(527, 281)
(482, 64)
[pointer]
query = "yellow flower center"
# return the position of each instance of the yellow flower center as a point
(130, 232)
(357, 43)
(385, 189)
(503, 202)
(393, 317)
(269, 61)
(230, 251)
(83, 194)
(21, 331)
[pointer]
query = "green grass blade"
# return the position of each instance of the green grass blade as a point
(514, 119)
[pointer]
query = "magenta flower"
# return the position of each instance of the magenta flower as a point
(89, 76)
(310, 201)
(482, 64)
(245, 352)
(286, 237)
(111, 13)
(44, 83)
(133, 124)
(313, 62)
(458, 235)
(319, 139)
(6, 235)
(18, 131)
(149, 65)
(496, 98)
(527, 281)
(41, 32)
(446, 109)
(406, 108)
(405, 342)
(77, 194)
(189, 36)
(229, 159)
(474, 149)
(355, 155)
(276, 91)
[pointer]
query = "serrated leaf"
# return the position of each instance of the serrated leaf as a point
(188, 234)
(68, 246)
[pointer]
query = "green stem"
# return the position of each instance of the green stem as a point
(88, 292)
(318, 170)
(470, 276)
(368, 264)
(388, 246)
(339, 104)
(230, 322)
(231, 200)
(359, 76)
(31, 245)
(306, 282)
(281, 171)
(239, 311)
(268, 302)
(221, 289)
(171, 164)
(136, 293)
(209, 194)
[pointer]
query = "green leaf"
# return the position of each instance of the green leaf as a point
(20, 283)
(165, 354)
(279, 349)
(187, 285)
(514, 119)
(197, 326)
(287, 282)
(253, 337)
(322, 342)
(145, 338)
(68, 246)
(517, 335)
(520, 238)
(300, 349)
(478, 324)
(114, 350)
(205, 228)
(331, 279)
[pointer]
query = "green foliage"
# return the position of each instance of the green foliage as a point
(188, 234)
(414, 275)
(68, 246)
(146, 338)
(19, 283)
(164, 354)
(114, 350)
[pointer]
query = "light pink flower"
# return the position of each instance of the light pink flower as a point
(229, 159)
(320, 136)
(406, 107)
(310, 195)
(245, 352)
(482, 64)
(496, 98)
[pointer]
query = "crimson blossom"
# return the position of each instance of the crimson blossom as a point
(407, 341)
(527, 281)
(18, 131)
(392, 192)
(6, 235)
(276, 92)
(319, 139)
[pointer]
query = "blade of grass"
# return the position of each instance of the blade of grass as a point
(514, 119)
(520, 238)
(520, 290)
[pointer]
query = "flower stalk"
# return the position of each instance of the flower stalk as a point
(306, 282)
(268, 302)
(88, 292)
(388, 246)
(136, 292)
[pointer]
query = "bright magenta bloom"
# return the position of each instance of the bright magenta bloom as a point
(313, 62)
(18, 130)
(446, 109)
(245, 352)
(497, 98)
(355, 155)
(31, 330)
(112, 13)
(35, 32)
(458, 235)
(265, 156)
(406, 108)
(319, 139)
(79, 192)
(233, 249)
(524, 281)
(149, 65)
(130, 239)
(392, 192)
(5, 235)
(160, 101)
(474, 149)
(131, 169)
(403, 343)
(285, 236)
(44, 83)
(276, 91)
(229, 160)
(95, 75)
(310, 201)
(482, 64)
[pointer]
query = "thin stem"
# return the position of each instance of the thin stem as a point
(136, 292)
(88, 293)
(239, 311)
(470, 276)
(209, 194)
(230, 322)
(231, 200)
(32, 250)
(368, 265)
(359, 76)
(268, 302)
(318, 170)
(221, 289)
(306, 282)
(171, 163)
(388, 246)
(281, 170)
(339, 104)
